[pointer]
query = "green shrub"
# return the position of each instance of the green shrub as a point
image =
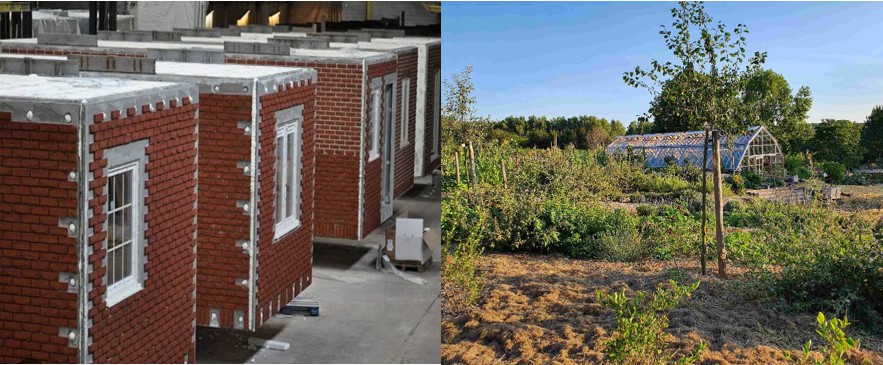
(641, 322)
(835, 170)
(836, 342)
(461, 240)
(753, 180)
(622, 244)
(737, 184)
(798, 165)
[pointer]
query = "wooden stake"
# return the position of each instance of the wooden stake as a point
(702, 253)
(472, 163)
(503, 167)
(457, 163)
(718, 206)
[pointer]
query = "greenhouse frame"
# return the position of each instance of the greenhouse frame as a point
(757, 150)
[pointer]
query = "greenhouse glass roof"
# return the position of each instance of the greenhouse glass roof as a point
(687, 147)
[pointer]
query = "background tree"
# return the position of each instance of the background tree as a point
(784, 114)
(673, 108)
(838, 141)
(459, 123)
(714, 71)
(641, 125)
(872, 136)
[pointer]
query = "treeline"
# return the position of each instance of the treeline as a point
(583, 132)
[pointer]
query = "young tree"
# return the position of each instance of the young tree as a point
(459, 123)
(872, 136)
(712, 62)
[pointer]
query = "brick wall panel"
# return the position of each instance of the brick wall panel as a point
(34, 194)
(155, 325)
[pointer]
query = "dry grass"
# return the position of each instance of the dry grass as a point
(865, 201)
(542, 310)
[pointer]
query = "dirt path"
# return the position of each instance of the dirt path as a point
(542, 309)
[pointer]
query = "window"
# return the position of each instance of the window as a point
(374, 142)
(406, 106)
(123, 232)
(437, 113)
(288, 173)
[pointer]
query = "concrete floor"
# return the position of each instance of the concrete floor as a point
(367, 316)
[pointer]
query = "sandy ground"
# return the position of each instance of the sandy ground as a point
(542, 309)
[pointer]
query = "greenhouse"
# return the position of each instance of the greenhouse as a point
(756, 151)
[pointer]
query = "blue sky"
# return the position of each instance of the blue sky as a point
(567, 59)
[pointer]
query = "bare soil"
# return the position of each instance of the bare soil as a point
(542, 309)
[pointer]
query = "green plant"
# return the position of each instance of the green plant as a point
(461, 239)
(622, 244)
(836, 171)
(737, 184)
(798, 165)
(641, 322)
(837, 344)
(753, 180)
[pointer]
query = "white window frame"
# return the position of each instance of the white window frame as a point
(406, 118)
(374, 126)
(292, 168)
(128, 286)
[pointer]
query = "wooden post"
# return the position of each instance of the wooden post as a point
(503, 167)
(554, 140)
(704, 200)
(718, 206)
(472, 163)
(457, 163)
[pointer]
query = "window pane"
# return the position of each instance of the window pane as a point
(127, 260)
(289, 179)
(279, 182)
(111, 264)
(113, 234)
(126, 224)
(118, 257)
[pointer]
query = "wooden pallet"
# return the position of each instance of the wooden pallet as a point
(418, 266)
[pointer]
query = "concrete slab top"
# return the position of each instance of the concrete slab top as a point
(72, 89)
(372, 46)
(125, 45)
(409, 40)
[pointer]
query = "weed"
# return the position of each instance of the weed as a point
(641, 323)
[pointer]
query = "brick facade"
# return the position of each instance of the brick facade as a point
(155, 325)
(434, 66)
(373, 169)
(35, 159)
(39, 254)
(221, 223)
(285, 264)
(404, 153)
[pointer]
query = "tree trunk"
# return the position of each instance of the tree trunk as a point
(718, 206)
(702, 253)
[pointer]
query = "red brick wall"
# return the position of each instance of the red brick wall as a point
(338, 126)
(373, 168)
(155, 325)
(434, 58)
(221, 223)
(35, 159)
(284, 266)
(404, 156)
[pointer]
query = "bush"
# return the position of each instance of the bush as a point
(798, 165)
(857, 179)
(461, 240)
(622, 244)
(753, 180)
(641, 323)
(835, 170)
(837, 344)
(737, 184)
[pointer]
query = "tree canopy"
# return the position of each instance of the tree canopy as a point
(584, 132)
(781, 112)
(838, 141)
(872, 136)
